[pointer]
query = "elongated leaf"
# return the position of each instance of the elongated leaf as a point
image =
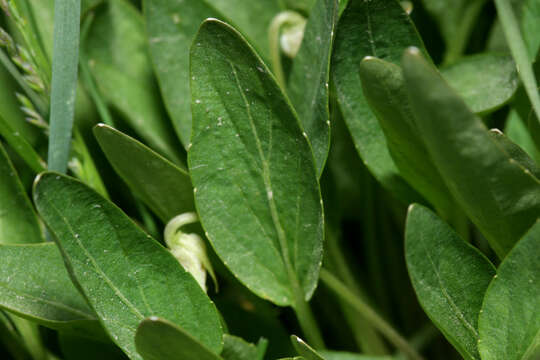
(163, 186)
(456, 19)
(485, 81)
(46, 297)
(515, 152)
(258, 195)
(509, 323)
(171, 26)
(235, 348)
(310, 74)
(22, 147)
(116, 51)
(378, 28)
(303, 349)
(339, 355)
(530, 26)
(516, 131)
(125, 275)
(498, 194)
(64, 81)
(159, 339)
(449, 277)
(18, 221)
(385, 91)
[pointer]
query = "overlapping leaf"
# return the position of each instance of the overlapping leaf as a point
(449, 277)
(500, 196)
(124, 274)
(256, 185)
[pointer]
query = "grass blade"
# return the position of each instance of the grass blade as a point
(64, 81)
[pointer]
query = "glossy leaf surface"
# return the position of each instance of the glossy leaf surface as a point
(163, 186)
(500, 196)
(125, 275)
(449, 277)
(18, 221)
(485, 82)
(256, 184)
(310, 75)
(118, 57)
(159, 339)
(382, 29)
(510, 320)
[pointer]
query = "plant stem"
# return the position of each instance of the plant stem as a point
(307, 320)
(369, 314)
(64, 81)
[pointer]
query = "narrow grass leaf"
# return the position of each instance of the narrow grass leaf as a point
(530, 26)
(163, 186)
(159, 339)
(500, 196)
(518, 48)
(22, 147)
(449, 277)
(309, 79)
(516, 152)
(258, 196)
(385, 92)
(509, 323)
(486, 81)
(18, 221)
(125, 275)
(382, 29)
(117, 54)
(47, 297)
(303, 349)
(64, 81)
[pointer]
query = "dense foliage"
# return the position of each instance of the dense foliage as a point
(264, 179)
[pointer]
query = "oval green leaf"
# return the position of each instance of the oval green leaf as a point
(163, 186)
(449, 277)
(256, 185)
(46, 297)
(18, 221)
(500, 196)
(382, 29)
(486, 81)
(124, 274)
(308, 81)
(384, 89)
(159, 339)
(509, 322)
(118, 57)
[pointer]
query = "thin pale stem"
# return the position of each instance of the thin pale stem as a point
(369, 314)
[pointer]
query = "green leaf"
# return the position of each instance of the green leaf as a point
(518, 132)
(456, 19)
(530, 26)
(118, 57)
(46, 297)
(256, 185)
(449, 277)
(18, 221)
(171, 26)
(500, 196)
(515, 152)
(159, 339)
(74, 347)
(303, 349)
(308, 82)
(21, 146)
(163, 186)
(509, 322)
(486, 81)
(64, 81)
(125, 275)
(382, 29)
(384, 89)
(235, 348)
(518, 48)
